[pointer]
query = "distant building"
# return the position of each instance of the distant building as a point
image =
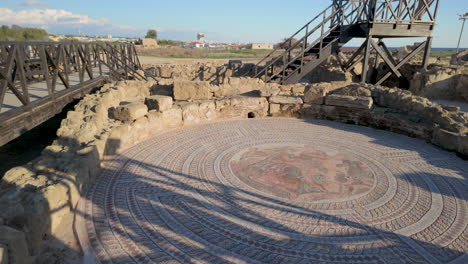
(196, 45)
(260, 46)
(150, 43)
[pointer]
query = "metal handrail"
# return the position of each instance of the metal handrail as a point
(302, 40)
(295, 34)
(299, 56)
(291, 48)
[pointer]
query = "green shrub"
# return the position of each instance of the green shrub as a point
(18, 33)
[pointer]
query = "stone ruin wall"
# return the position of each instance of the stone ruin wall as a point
(217, 74)
(38, 198)
(448, 83)
(213, 72)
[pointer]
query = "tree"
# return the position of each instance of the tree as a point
(21, 34)
(153, 34)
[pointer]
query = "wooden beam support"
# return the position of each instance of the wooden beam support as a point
(402, 62)
(357, 53)
(365, 66)
(386, 59)
(20, 59)
(427, 53)
(8, 68)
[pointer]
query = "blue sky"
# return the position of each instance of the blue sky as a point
(241, 20)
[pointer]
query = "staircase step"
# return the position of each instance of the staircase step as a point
(312, 55)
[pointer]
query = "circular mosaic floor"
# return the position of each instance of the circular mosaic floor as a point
(280, 191)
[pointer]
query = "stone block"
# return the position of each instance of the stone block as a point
(191, 113)
(130, 112)
(242, 106)
(451, 108)
(290, 109)
(353, 90)
(159, 102)
(286, 89)
(188, 90)
(164, 87)
(286, 100)
(463, 145)
(117, 138)
(132, 100)
(57, 198)
(222, 103)
(274, 108)
(349, 101)
(312, 111)
(299, 89)
(445, 139)
(315, 95)
(159, 121)
(269, 92)
(207, 110)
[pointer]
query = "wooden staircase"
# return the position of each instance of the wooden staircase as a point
(321, 37)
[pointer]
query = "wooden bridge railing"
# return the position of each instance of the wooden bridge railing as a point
(390, 11)
(38, 79)
(24, 63)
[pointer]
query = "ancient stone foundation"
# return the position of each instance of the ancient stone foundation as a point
(38, 198)
(210, 72)
(448, 83)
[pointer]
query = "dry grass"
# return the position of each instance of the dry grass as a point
(203, 53)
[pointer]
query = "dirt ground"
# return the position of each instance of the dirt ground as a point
(157, 60)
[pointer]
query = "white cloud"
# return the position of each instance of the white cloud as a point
(34, 3)
(62, 21)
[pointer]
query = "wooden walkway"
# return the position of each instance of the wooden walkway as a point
(37, 80)
(38, 90)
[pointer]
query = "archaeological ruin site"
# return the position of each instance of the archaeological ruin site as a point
(314, 154)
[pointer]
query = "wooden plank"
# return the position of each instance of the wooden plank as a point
(20, 120)
(386, 59)
(402, 62)
(365, 65)
(54, 66)
(387, 51)
(20, 65)
(5, 76)
(382, 30)
(427, 52)
(45, 67)
(13, 89)
(357, 53)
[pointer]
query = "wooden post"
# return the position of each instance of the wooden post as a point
(45, 68)
(365, 65)
(427, 53)
(20, 59)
